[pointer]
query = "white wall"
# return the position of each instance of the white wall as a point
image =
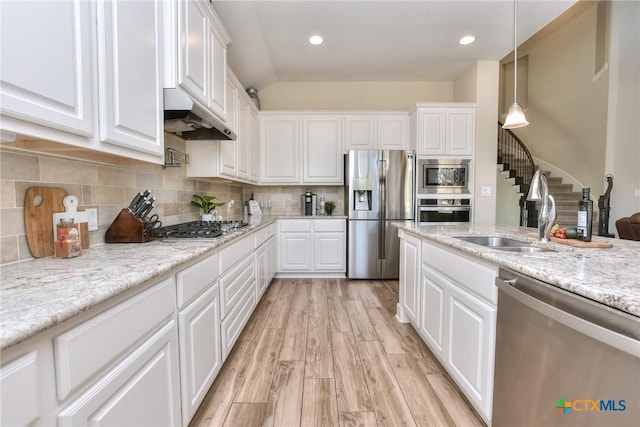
(508, 211)
(567, 101)
(479, 84)
(623, 130)
(352, 95)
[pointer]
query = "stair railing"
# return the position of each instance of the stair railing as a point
(516, 158)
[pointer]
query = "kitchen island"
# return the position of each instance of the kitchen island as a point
(448, 292)
(609, 276)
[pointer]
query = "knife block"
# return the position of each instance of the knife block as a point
(127, 228)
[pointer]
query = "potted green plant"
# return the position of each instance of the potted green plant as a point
(207, 204)
(329, 206)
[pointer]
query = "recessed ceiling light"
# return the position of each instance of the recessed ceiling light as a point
(316, 40)
(466, 40)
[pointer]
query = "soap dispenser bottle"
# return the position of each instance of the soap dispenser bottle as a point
(585, 216)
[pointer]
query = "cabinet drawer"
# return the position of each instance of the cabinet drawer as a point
(260, 237)
(231, 255)
(234, 284)
(476, 277)
(295, 225)
(193, 280)
(270, 231)
(232, 325)
(337, 225)
(85, 350)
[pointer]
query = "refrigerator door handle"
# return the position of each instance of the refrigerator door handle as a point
(383, 206)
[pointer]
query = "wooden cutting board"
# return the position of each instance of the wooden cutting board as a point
(576, 243)
(40, 203)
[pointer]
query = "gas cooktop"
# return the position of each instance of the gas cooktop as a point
(198, 229)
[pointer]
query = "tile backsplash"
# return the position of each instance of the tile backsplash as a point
(110, 188)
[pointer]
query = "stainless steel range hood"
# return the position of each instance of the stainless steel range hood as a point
(188, 120)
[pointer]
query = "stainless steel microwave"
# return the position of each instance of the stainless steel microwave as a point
(443, 176)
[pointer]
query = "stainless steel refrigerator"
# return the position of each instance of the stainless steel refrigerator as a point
(379, 189)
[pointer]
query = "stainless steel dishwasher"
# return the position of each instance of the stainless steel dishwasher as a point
(561, 359)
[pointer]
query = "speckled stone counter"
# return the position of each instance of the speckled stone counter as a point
(41, 293)
(610, 276)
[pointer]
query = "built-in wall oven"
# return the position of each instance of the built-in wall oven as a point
(443, 211)
(443, 176)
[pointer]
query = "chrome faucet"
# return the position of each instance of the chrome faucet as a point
(539, 190)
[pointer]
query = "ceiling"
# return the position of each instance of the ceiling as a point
(372, 40)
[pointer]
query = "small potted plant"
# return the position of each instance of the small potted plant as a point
(329, 206)
(207, 204)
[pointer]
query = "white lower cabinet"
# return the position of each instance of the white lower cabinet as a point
(148, 359)
(200, 353)
(409, 279)
(470, 345)
(19, 387)
(456, 311)
(432, 319)
(143, 389)
(312, 246)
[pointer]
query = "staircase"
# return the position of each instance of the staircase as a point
(514, 158)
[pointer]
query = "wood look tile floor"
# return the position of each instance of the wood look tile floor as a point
(329, 352)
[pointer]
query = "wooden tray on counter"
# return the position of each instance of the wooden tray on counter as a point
(575, 242)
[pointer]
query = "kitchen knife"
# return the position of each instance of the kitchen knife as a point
(138, 201)
(145, 211)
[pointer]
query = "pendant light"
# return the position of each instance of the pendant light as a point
(515, 118)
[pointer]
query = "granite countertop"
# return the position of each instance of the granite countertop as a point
(38, 294)
(610, 276)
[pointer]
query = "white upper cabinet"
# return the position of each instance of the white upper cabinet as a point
(228, 158)
(322, 149)
(47, 72)
(130, 87)
(444, 129)
(236, 160)
(392, 131)
(279, 149)
(359, 132)
(384, 131)
(301, 148)
(202, 54)
(85, 73)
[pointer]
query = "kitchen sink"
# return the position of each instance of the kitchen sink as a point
(503, 244)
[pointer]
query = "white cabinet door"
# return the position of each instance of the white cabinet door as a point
(47, 72)
(295, 251)
(143, 389)
(431, 132)
(130, 84)
(244, 138)
(470, 346)
(217, 67)
(193, 49)
(460, 131)
(279, 149)
(329, 251)
(359, 132)
(272, 258)
(254, 147)
(228, 149)
(19, 389)
(410, 278)
(322, 149)
(392, 132)
(432, 311)
(261, 270)
(200, 352)
(445, 130)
